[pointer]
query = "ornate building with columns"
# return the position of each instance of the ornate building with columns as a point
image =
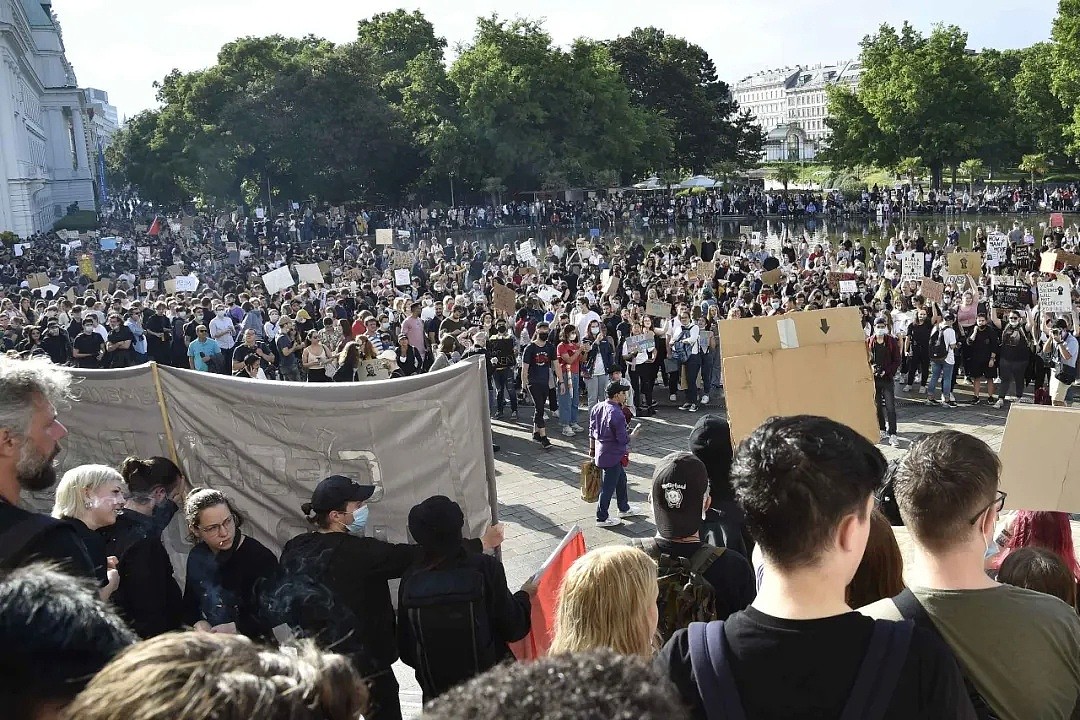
(45, 165)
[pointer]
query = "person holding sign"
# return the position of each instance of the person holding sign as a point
(1064, 348)
(1015, 354)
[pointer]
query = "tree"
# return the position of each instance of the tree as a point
(785, 174)
(1065, 59)
(677, 81)
(141, 158)
(1043, 123)
(1035, 164)
(921, 96)
(973, 169)
(911, 168)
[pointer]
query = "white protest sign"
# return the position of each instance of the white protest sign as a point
(260, 213)
(547, 294)
(310, 273)
(1055, 296)
(150, 284)
(46, 289)
(277, 280)
(525, 252)
(187, 283)
(20, 248)
(401, 277)
(996, 248)
(774, 245)
(913, 265)
(848, 287)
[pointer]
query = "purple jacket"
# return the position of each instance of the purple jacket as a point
(607, 425)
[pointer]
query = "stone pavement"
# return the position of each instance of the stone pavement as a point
(540, 500)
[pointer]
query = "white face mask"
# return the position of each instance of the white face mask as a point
(880, 331)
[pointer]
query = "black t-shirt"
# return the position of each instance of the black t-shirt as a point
(538, 359)
(88, 342)
(708, 250)
(731, 576)
(59, 544)
(805, 669)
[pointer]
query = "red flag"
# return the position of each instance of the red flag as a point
(550, 576)
(155, 229)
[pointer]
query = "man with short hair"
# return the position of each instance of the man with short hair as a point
(1020, 649)
(201, 349)
(807, 485)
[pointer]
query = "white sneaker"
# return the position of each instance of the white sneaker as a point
(894, 441)
(882, 435)
(610, 522)
(568, 431)
(922, 389)
(999, 404)
(704, 399)
(693, 407)
(577, 428)
(907, 388)
(673, 398)
(632, 511)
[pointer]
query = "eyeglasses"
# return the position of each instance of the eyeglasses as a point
(999, 501)
(226, 525)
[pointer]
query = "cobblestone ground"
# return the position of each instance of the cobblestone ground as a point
(540, 500)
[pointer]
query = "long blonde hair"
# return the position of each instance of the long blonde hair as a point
(605, 601)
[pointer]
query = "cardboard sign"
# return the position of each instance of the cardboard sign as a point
(369, 370)
(655, 308)
(504, 299)
(310, 273)
(1040, 458)
(174, 270)
(401, 277)
(771, 277)
(746, 230)
(932, 291)
(768, 363)
(1055, 296)
(1058, 261)
(964, 263)
(187, 283)
(641, 343)
(384, 237)
(277, 280)
(103, 286)
(37, 280)
(87, 267)
(996, 250)
(170, 286)
(704, 270)
(912, 265)
(1012, 297)
(848, 287)
(399, 259)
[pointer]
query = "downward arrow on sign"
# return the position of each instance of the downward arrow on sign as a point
(825, 326)
(757, 334)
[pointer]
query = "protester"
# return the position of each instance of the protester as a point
(199, 676)
(1064, 349)
(57, 634)
(88, 498)
(724, 524)
(881, 573)
(607, 600)
(807, 486)
(884, 352)
(1037, 528)
(1041, 570)
(947, 490)
(455, 613)
(609, 443)
(536, 370)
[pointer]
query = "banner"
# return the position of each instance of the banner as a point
(267, 444)
(548, 581)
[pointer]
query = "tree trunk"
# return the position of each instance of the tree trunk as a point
(936, 170)
(954, 177)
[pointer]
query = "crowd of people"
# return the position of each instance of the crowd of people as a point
(774, 587)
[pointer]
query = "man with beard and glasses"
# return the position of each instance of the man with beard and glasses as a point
(29, 443)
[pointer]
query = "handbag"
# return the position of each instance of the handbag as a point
(1066, 374)
(590, 481)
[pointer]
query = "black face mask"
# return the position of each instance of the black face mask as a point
(542, 336)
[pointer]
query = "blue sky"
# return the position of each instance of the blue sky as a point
(123, 46)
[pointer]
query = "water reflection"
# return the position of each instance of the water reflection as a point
(864, 229)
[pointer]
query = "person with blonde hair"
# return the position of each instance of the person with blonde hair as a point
(202, 676)
(89, 497)
(608, 600)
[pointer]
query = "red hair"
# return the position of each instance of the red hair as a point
(1042, 528)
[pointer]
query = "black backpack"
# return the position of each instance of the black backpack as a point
(938, 350)
(449, 627)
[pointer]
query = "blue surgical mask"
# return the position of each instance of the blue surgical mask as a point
(359, 521)
(992, 548)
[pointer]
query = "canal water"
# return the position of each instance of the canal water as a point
(864, 229)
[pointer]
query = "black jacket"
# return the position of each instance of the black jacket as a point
(227, 587)
(56, 542)
(148, 597)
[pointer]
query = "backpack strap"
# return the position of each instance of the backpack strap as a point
(880, 671)
(712, 673)
(20, 535)
(911, 609)
(649, 546)
(702, 560)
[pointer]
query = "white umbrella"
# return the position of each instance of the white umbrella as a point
(698, 181)
(652, 183)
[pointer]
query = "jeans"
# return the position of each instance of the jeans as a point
(503, 380)
(614, 483)
(569, 398)
(919, 362)
(708, 362)
(596, 386)
(693, 367)
(885, 401)
(940, 370)
(1014, 371)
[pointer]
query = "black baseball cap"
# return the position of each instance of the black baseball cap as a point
(680, 484)
(614, 388)
(333, 492)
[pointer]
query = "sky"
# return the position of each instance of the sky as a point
(123, 46)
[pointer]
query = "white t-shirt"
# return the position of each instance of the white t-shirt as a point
(950, 340)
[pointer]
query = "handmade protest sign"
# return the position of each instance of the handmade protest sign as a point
(1011, 297)
(964, 263)
(912, 265)
(504, 299)
(401, 277)
(310, 273)
(187, 283)
(933, 291)
(1055, 296)
(277, 280)
(655, 308)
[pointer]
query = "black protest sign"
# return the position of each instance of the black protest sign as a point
(730, 247)
(1012, 297)
(1023, 258)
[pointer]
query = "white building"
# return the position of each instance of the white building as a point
(791, 106)
(105, 119)
(44, 163)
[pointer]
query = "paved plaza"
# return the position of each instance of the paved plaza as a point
(540, 499)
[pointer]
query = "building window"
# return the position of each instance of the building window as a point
(70, 119)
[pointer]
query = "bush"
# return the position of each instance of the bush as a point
(81, 221)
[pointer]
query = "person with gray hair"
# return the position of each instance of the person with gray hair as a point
(30, 435)
(89, 497)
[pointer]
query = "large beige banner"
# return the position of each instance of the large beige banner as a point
(267, 444)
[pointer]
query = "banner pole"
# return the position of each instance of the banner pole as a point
(164, 414)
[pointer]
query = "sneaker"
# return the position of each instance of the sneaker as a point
(568, 431)
(653, 405)
(577, 428)
(536, 436)
(894, 441)
(882, 436)
(551, 414)
(907, 388)
(545, 442)
(999, 404)
(943, 402)
(514, 415)
(952, 403)
(976, 401)
(704, 399)
(693, 407)
(610, 522)
(495, 448)
(922, 389)
(684, 406)
(631, 511)
(673, 397)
